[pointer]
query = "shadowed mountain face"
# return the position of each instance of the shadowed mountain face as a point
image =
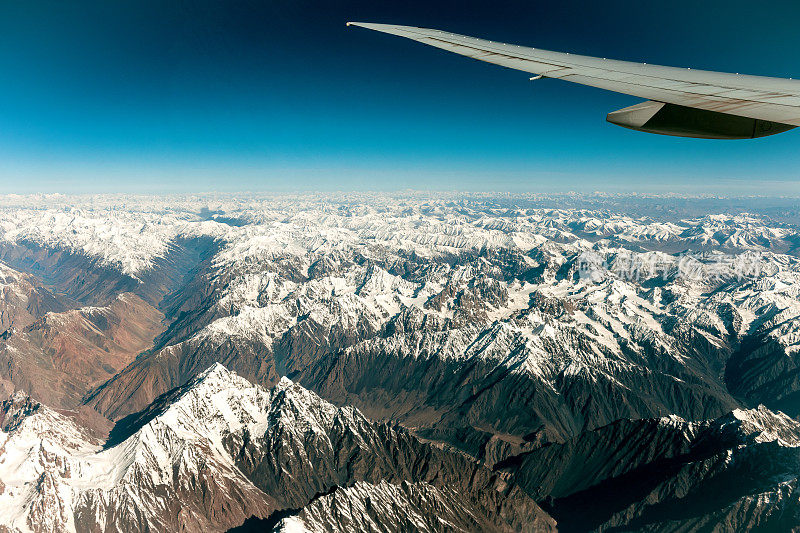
(456, 364)
(61, 355)
(71, 323)
(211, 453)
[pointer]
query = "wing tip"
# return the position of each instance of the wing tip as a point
(386, 28)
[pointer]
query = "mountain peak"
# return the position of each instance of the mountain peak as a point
(214, 372)
(17, 408)
(764, 425)
(216, 377)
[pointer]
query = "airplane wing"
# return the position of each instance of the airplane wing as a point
(681, 101)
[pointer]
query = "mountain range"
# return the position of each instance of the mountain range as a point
(398, 362)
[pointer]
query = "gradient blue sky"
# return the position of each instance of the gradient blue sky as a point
(154, 96)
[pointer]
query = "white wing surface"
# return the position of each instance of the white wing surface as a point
(772, 103)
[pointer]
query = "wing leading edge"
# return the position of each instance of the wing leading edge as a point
(772, 104)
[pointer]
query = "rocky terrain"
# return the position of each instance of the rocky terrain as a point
(218, 450)
(399, 362)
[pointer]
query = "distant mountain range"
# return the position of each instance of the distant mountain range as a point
(398, 362)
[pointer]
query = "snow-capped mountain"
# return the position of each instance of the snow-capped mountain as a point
(387, 507)
(216, 451)
(504, 332)
(327, 294)
(165, 476)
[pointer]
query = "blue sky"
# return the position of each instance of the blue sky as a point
(275, 95)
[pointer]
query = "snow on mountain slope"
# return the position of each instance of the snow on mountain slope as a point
(129, 232)
(492, 324)
(388, 508)
(173, 472)
(196, 459)
(597, 315)
(123, 241)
